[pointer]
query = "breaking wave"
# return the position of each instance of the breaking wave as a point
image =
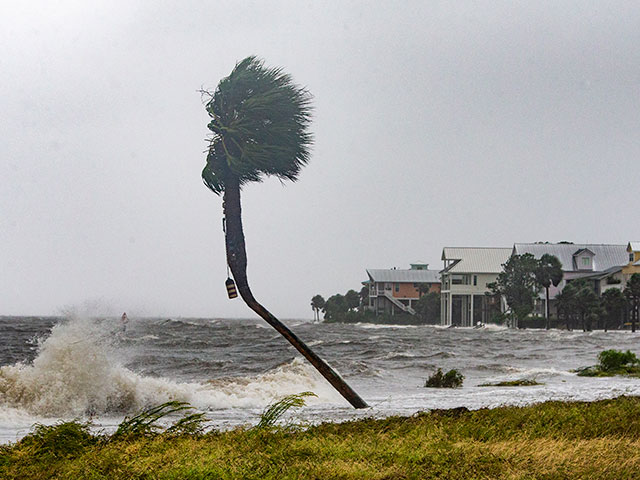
(77, 371)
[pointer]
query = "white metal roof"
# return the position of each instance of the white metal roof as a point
(404, 276)
(605, 256)
(476, 259)
(634, 246)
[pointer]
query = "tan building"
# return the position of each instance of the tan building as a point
(394, 291)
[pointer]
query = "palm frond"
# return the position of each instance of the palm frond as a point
(145, 423)
(260, 121)
(275, 411)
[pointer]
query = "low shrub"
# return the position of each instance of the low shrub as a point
(62, 440)
(611, 360)
(452, 379)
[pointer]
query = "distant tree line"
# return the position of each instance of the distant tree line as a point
(578, 305)
(340, 308)
(352, 308)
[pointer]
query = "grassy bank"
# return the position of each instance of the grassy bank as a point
(553, 440)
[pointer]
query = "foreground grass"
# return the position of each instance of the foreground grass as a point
(554, 440)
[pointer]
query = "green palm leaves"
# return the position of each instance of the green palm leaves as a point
(259, 123)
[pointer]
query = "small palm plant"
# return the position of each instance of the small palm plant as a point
(259, 120)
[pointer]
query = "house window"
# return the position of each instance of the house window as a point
(460, 279)
(586, 261)
(475, 280)
(397, 287)
(631, 257)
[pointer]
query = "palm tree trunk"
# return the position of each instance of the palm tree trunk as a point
(237, 260)
(546, 306)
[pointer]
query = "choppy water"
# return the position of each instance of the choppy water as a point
(64, 368)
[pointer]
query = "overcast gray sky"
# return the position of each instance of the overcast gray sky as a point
(436, 124)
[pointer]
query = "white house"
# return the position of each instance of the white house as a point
(465, 276)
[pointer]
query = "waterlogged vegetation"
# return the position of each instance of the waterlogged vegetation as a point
(452, 379)
(613, 362)
(525, 382)
(553, 440)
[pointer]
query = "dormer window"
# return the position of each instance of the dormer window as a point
(631, 257)
(584, 259)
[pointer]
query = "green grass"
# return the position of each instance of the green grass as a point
(525, 382)
(553, 440)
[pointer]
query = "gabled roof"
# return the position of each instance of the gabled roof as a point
(605, 256)
(404, 276)
(475, 259)
(583, 250)
(634, 246)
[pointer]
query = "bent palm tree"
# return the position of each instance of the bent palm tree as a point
(259, 124)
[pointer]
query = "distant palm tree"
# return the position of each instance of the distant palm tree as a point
(613, 304)
(259, 120)
(632, 294)
(549, 272)
(317, 304)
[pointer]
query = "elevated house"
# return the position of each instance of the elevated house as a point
(601, 264)
(465, 276)
(395, 291)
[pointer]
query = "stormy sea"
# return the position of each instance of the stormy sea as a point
(89, 368)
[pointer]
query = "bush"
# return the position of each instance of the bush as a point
(533, 321)
(611, 360)
(452, 379)
(64, 439)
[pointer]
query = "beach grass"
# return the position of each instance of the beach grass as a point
(552, 440)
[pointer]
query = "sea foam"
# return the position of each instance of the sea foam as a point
(78, 372)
